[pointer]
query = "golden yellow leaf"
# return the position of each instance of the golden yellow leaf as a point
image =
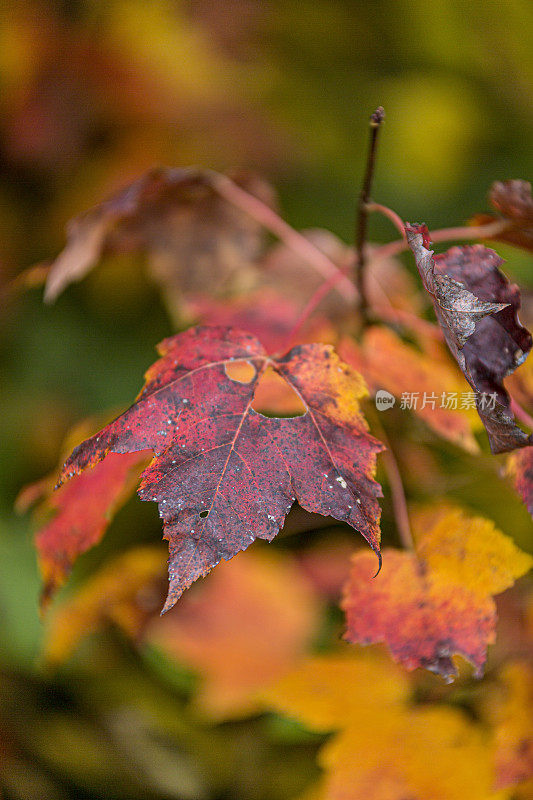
(327, 692)
(386, 748)
(425, 753)
(469, 550)
(511, 712)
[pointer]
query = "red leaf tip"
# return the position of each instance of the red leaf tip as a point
(420, 229)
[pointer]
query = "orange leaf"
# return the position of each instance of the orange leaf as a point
(430, 605)
(80, 512)
(387, 362)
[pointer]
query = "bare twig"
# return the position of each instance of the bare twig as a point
(362, 211)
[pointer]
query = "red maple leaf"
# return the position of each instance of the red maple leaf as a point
(223, 474)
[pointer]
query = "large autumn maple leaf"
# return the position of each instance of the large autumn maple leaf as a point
(223, 474)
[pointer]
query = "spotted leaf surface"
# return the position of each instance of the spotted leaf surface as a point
(223, 474)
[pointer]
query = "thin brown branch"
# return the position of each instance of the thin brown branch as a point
(362, 211)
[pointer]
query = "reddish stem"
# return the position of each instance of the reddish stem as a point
(410, 320)
(311, 306)
(445, 235)
(399, 501)
(395, 218)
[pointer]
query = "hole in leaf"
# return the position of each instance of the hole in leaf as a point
(274, 397)
(204, 514)
(240, 371)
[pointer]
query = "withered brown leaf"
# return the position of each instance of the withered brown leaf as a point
(514, 204)
(477, 307)
(194, 239)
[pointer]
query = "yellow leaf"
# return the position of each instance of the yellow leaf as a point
(469, 550)
(511, 711)
(426, 753)
(386, 748)
(328, 692)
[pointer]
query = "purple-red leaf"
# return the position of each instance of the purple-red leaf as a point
(477, 310)
(223, 474)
